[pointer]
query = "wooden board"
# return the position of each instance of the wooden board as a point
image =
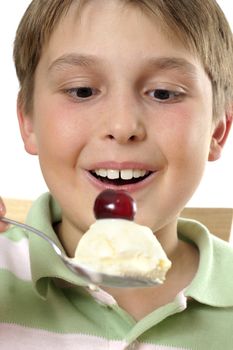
(218, 220)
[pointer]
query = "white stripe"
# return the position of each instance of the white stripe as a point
(14, 337)
(14, 256)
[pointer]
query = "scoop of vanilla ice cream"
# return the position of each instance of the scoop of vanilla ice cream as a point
(122, 248)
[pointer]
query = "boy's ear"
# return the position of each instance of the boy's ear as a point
(219, 137)
(27, 130)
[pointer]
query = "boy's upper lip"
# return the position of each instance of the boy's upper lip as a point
(122, 165)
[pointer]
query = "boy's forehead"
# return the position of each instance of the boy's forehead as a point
(84, 14)
(90, 22)
(76, 43)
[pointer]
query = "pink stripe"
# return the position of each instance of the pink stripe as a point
(21, 338)
(14, 256)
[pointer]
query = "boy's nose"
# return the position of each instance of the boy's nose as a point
(125, 124)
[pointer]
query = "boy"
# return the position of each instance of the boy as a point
(133, 95)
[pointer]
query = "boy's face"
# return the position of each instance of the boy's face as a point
(113, 93)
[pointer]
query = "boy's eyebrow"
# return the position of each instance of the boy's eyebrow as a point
(158, 63)
(73, 59)
(174, 63)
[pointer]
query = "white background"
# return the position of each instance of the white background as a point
(20, 175)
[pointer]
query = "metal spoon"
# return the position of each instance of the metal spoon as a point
(92, 277)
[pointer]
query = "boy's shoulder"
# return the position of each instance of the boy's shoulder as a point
(213, 283)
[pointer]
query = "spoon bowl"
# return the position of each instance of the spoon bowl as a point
(90, 276)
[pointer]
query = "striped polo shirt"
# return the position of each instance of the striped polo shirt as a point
(45, 306)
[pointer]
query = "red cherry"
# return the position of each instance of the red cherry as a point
(111, 204)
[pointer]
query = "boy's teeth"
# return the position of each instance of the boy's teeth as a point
(138, 173)
(113, 174)
(125, 174)
(101, 172)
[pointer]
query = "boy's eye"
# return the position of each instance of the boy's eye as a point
(162, 94)
(82, 92)
(165, 95)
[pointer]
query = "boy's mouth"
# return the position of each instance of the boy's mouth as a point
(120, 177)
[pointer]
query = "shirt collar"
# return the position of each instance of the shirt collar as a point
(213, 282)
(45, 263)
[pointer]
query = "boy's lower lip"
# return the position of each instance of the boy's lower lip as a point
(128, 187)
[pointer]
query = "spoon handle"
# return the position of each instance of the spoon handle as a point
(34, 230)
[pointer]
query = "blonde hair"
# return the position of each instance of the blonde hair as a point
(200, 25)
